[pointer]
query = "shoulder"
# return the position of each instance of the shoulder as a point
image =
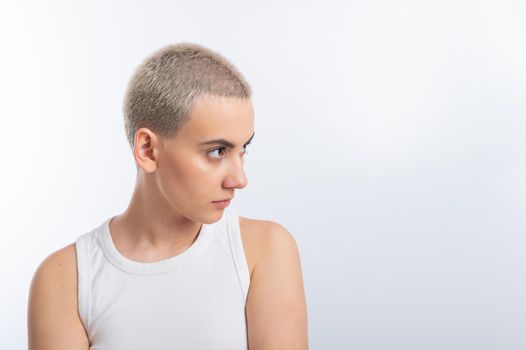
(52, 305)
(276, 305)
(265, 231)
(55, 277)
(259, 236)
(58, 266)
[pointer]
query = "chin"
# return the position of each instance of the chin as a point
(214, 217)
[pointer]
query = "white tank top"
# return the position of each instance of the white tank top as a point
(194, 300)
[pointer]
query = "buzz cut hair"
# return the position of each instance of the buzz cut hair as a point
(164, 87)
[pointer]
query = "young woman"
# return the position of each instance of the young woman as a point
(177, 269)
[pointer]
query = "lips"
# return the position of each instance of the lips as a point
(223, 200)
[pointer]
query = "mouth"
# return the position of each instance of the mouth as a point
(222, 204)
(223, 200)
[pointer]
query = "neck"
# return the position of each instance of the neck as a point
(151, 222)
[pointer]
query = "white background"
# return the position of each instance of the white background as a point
(390, 139)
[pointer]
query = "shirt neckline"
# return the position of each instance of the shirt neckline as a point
(161, 266)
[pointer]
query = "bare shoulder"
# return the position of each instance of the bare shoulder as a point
(60, 266)
(252, 233)
(276, 307)
(258, 234)
(64, 258)
(53, 320)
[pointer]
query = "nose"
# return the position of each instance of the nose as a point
(236, 177)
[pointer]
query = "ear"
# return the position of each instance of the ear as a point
(146, 150)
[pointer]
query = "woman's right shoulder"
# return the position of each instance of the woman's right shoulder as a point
(52, 305)
(57, 273)
(60, 264)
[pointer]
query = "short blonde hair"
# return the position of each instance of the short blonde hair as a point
(163, 89)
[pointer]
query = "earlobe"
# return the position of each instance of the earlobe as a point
(145, 161)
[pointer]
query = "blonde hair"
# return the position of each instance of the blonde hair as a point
(163, 89)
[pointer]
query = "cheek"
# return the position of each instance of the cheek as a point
(192, 178)
(198, 170)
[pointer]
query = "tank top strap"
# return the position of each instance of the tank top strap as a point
(83, 247)
(238, 252)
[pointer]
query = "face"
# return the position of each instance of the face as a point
(192, 170)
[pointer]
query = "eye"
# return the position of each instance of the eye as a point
(245, 151)
(222, 149)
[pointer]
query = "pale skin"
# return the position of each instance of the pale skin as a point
(177, 180)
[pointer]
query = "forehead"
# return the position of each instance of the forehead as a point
(214, 116)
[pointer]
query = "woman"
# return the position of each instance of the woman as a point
(177, 269)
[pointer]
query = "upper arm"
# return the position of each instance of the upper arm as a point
(53, 320)
(276, 307)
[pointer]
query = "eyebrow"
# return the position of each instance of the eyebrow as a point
(224, 142)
